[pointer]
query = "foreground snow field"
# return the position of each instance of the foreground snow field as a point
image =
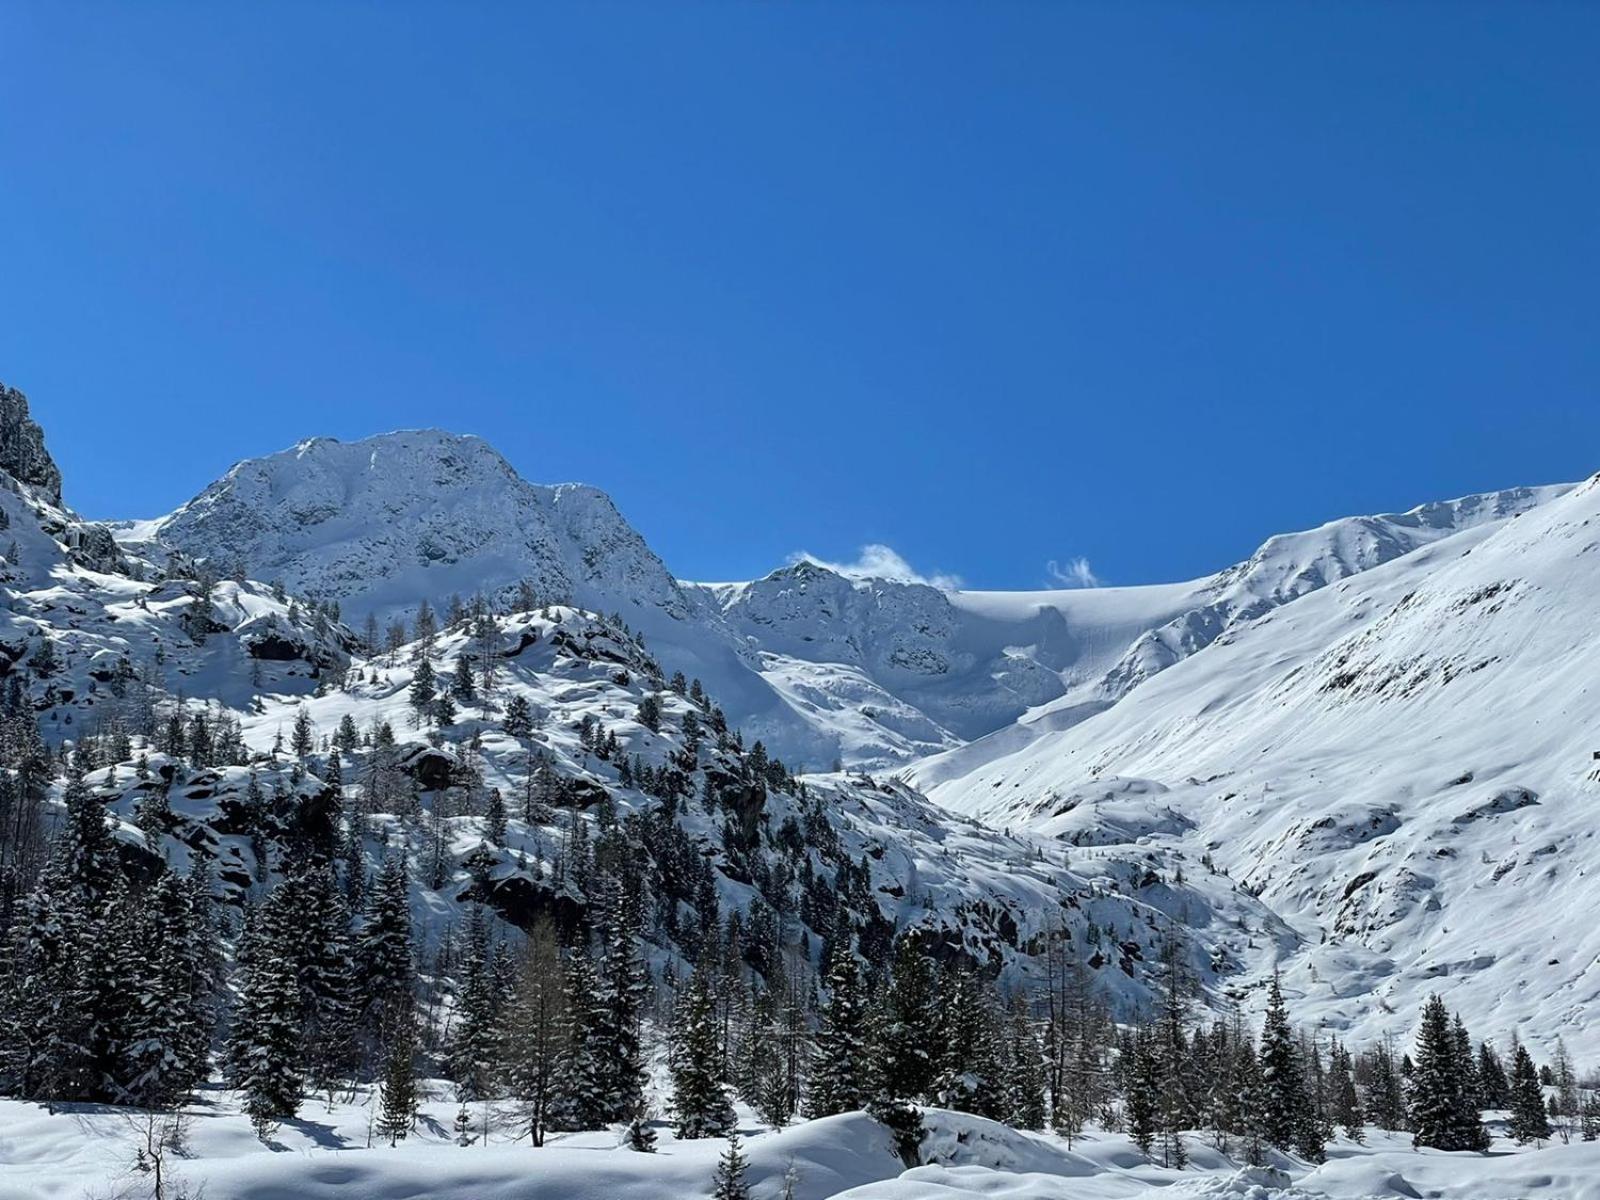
(88, 1153)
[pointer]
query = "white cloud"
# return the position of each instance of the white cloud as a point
(1074, 573)
(877, 561)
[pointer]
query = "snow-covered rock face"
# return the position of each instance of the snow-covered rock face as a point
(386, 522)
(109, 630)
(22, 452)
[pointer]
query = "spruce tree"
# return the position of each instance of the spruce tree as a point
(265, 1040)
(1443, 1111)
(398, 1105)
(476, 1049)
(388, 969)
(1346, 1101)
(837, 1084)
(1494, 1088)
(730, 1182)
(1530, 1121)
(699, 1093)
(1025, 1071)
(1142, 1091)
(903, 1048)
(1283, 1100)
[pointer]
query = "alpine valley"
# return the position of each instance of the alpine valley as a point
(379, 803)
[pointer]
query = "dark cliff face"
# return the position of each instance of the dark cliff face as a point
(22, 452)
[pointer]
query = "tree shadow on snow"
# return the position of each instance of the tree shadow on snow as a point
(323, 1135)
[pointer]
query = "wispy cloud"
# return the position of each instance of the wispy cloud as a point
(1074, 573)
(877, 561)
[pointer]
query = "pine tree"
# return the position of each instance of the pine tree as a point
(699, 1083)
(1530, 1122)
(837, 1084)
(265, 1040)
(907, 1024)
(729, 1182)
(1346, 1102)
(398, 1106)
(1444, 1115)
(1283, 1100)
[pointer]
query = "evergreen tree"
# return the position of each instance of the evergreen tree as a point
(1283, 1100)
(1493, 1087)
(837, 1067)
(1444, 1114)
(699, 1082)
(1142, 1088)
(388, 970)
(1530, 1122)
(476, 1050)
(494, 819)
(424, 688)
(1346, 1102)
(518, 722)
(265, 1040)
(398, 1105)
(968, 1077)
(907, 1024)
(729, 1182)
(1025, 1072)
(302, 738)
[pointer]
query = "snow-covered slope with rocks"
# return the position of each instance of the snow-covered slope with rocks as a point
(110, 629)
(382, 524)
(1399, 764)
(893, 667)
(823, 666)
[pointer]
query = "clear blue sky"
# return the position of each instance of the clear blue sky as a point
(993, 284)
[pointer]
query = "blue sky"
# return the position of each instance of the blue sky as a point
(994, 285)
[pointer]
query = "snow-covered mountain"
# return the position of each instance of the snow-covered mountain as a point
(1353, 721)
(822, 666)
(104, 643)
(382, 524)
(978, 674)
(1400, 764)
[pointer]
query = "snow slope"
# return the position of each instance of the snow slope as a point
(87, 1151)
(1398, 764)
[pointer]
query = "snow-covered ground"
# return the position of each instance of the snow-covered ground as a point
(330, 1153)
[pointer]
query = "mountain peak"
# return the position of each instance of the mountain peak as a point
(22, 451)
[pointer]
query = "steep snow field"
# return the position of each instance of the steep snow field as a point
(1399, 765)
(329, 1153)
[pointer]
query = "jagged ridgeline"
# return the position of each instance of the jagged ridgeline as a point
(239, 834)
